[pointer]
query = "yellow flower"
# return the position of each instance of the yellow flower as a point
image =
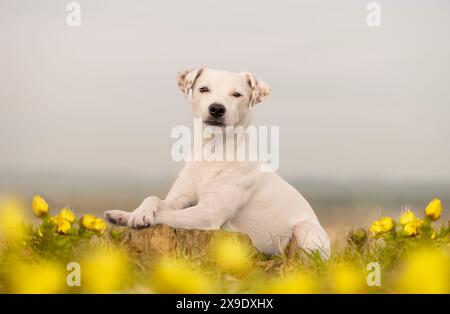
(11, 219)
(93, 223)
(104, 270)
(44, 277)
(410, 229)
(434, 209)
(63, 226)
(176, 276)
(410, 223)
(230, 254)
(99, 226)
(67, 214)
(297, 282)
(376, 228)
(407, 217)
(40, 206)
(88, 221)
(424, 271)
(347, 278)
(387, 223)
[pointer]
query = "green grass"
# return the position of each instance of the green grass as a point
(161, 259)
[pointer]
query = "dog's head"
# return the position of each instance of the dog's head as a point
(222, 98)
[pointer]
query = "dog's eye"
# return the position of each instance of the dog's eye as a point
(203, 90)
(237, 95)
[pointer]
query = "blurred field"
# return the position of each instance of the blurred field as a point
(340, 205)
(411, 254)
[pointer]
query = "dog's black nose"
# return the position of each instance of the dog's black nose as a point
(216, 110)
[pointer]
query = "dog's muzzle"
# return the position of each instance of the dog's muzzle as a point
(216, 111)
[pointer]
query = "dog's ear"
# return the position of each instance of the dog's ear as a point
(260, 90)
(186, 80)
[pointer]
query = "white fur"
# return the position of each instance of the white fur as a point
(236, 196)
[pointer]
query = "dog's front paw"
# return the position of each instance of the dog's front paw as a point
(117, 217)
(142, 217)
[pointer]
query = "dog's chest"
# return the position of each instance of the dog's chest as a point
(213, 176)
(208, 175)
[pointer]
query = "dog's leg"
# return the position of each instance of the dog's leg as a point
(141, 217)
(209, 214)
(180, 196)
(218, 204)
(311, 237)
(199, 217)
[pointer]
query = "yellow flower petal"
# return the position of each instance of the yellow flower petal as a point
(88, 221)
(294, 283)
(12, 218)
(67, 214)
(376, 228)
(171, 275)
(387, 223)
(99, 226)
(44, 277)
(230, 254)
(434, 209)
(104, 270)
(40, 206)
(347, 278)
(410, 229)
(424, 271)
(407, 217)
(63, 226)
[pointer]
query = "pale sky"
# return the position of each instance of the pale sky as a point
(351, 101)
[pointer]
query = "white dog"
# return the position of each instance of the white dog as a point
(230, 195)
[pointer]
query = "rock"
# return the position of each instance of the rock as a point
(165, 240)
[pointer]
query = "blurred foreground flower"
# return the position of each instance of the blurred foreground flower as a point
(42, 277)
(230, 254)
(434, 209)
(11, 219)
(293, 283)
(104, 270)
(425, 271)
(171, 275)
(346, 278)
(40, 206)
